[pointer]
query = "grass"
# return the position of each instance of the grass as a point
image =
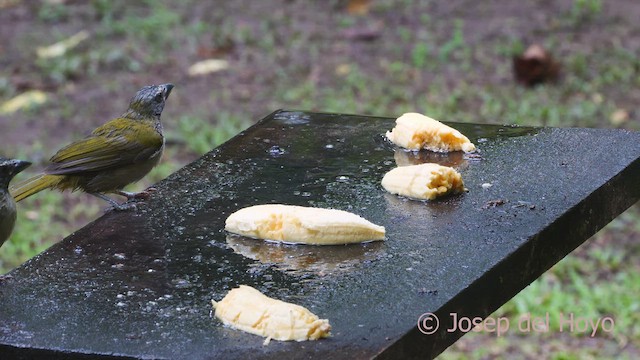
(427, 59)
(37, 230)
(200, 136)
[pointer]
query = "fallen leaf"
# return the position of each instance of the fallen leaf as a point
(358, 7)
(535, 66)
(60, 48)
(24, 100)
(208, 66)
(343, 69)
(619, 117)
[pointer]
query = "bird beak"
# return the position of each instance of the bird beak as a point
(168, 88)
(20, 165)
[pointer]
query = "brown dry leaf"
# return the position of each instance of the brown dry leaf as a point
(358, 7)
(535, 66)
(368, 33)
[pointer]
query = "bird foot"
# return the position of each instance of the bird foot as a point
(114, 204)
(143, 195)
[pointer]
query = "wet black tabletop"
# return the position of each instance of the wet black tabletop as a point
(139, 283)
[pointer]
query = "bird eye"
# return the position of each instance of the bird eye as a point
(159, 97)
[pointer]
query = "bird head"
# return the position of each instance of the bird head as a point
(149, 101)
(9, 168)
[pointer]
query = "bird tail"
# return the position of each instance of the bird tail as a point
(34, 185)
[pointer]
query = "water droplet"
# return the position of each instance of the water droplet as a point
(181, 283)
(276, 151)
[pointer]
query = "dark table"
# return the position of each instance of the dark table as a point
(139, 283)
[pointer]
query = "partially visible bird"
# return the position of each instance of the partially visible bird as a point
(8, 169)
(118, 153)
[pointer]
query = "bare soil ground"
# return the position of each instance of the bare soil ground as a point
(273, 47)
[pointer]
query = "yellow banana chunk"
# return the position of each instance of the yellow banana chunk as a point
(247, 309)
(299, 224)
(415, 132)
(424, 181)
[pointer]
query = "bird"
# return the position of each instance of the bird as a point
(8, 169)
(116, 154)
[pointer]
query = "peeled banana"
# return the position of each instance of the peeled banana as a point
(416, 131)
(424, 181)
(299, 224)
(247, 309)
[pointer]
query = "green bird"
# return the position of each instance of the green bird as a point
(116, 154)
(8, 169)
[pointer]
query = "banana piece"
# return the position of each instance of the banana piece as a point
(247, 309)
(424, 181)
(299, 224)
(416, 131)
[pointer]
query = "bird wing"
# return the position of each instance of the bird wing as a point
(114, 144)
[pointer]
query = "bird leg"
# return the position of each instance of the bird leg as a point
(114, 204)
(136, 195)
